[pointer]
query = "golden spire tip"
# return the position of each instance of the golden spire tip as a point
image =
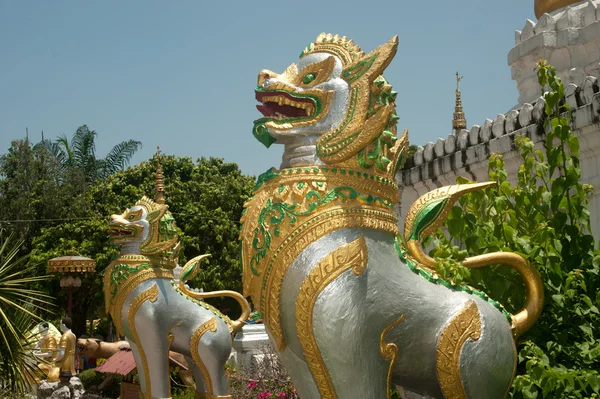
(159, 187)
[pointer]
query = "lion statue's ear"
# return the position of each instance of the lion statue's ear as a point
(372, 64)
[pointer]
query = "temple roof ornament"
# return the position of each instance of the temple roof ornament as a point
(548, 6)
(458, 121)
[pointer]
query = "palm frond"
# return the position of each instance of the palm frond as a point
(84, 151)
(18, 368)
(120, 155)
(18, 304)
(63, 143)
(55, 149)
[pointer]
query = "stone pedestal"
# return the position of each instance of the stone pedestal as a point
(251, 345)
(60, 390)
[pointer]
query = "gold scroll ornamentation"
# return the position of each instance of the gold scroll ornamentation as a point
(350, 256)
(117, 302)
(151, 294)
(210, 325)
(321, 225)
(170, 339)
(389, 351)
(465, 324)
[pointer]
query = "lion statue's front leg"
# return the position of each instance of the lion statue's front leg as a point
(157, 318)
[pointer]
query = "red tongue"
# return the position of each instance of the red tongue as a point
(265, 110)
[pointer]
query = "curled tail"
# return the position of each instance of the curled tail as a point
(190, 270)
(428, 212)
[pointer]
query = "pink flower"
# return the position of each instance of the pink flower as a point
(252, 384)
(264, 395)
(282, 395)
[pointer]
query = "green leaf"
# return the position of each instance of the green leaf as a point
(530, 391)
(558, 299)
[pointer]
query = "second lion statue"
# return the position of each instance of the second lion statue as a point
(156, 314)
(350, 305)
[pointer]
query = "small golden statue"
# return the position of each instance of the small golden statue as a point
(46, 349)
(65, 358)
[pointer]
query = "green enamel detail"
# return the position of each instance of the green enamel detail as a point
(356, 71)
(427, 215)
(261, 133)
(275, 213)
(298, 230)
(309, 78)
(400, 246)
(255, 316)
(166, 227)
(306, 50)
(202, 304)
(265, 177)
(324, 150)
(272, 174)
(373, 154)
(185, 276)
(121, 272)
(191, 272)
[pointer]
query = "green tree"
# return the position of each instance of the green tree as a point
(48, 181)
(544, 217)
(30, 190)
(18, 303)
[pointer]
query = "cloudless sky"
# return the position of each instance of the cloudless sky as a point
(181, 74)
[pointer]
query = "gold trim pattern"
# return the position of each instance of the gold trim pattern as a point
(465, 324)
(321, 225)
(114, 305)
(151, 294)
(210, 325)
(351, 256)
(373, 208)
(389, 351)
(71, 266)
(450, 194)
(420, 222)
(170, 339)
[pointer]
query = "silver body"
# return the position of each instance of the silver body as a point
(174, 313)
(352, 311)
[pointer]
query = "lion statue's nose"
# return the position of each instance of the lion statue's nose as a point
(264, 75)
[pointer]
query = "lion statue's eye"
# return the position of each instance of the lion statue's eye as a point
(308, 78)
(131, 217)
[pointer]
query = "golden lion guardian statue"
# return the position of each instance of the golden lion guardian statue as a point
(157, 315)
(351, 306)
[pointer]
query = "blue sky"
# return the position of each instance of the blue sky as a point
(181, 74)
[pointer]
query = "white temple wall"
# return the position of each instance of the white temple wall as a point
(466, 154)
(569, 39)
